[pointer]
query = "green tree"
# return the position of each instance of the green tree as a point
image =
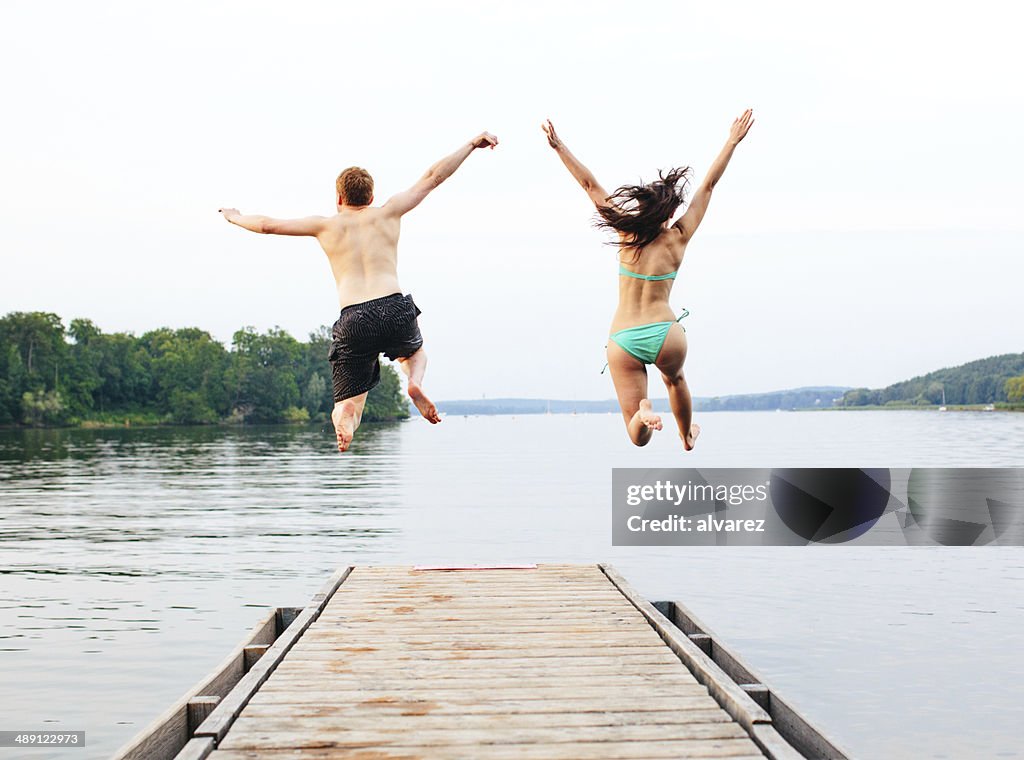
(82, 375)
(12, 383)
(933, 394)
(190, 408)
(316, 396)
(1014, 389)
(125, 367)
(263, 374)
(39, 408)
(386, 401)
(188, 360)
(38, 340)
(860, 397)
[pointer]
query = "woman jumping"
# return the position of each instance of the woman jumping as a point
(651, 247)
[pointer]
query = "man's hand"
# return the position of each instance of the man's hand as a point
(229, 213)
(740, 126)
(484, 140)
(553, 139)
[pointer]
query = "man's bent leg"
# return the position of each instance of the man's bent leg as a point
(346, 417)
(414, 367)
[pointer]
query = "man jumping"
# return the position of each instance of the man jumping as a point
(361, 243)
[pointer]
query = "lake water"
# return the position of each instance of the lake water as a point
(133, 560)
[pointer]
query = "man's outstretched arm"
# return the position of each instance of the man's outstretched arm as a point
(310, 225)
(406, 201)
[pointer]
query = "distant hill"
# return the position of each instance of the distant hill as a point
(983, 381)
(816, 397)
(797, 398)
(978, 382)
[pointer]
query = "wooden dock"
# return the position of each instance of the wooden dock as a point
(549, 661)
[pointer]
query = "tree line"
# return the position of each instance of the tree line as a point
(996, 379)
(52, 375)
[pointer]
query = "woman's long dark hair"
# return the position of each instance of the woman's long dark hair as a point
(639, 211)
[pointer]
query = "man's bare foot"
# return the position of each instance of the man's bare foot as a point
(647, 415)
(343, 418)
(424, 404)
(690, 440)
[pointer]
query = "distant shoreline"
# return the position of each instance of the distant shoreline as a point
(130, 423)
(1001, 406)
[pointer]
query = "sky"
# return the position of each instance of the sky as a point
(867, 230)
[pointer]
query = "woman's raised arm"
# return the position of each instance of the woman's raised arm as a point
(580, 173)
(689, 221)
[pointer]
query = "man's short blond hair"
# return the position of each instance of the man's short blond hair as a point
(355, 187)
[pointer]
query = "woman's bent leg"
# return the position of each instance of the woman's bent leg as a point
(629, 375)
(670, 362)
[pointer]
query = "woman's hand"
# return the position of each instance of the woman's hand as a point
(553, 139)
(740, 126)
(229, 213)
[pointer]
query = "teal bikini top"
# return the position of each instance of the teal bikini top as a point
(637, 275)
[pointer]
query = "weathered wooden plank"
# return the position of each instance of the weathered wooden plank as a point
(407, 615)
(476, 614)
(164, 737)
(460, 705)
(268, 720)
(196, 749)
(476, 579)
(732, 698)
(348, 632)
(469, 584)
(703, 641)
(344, 681)
(312, 693)
(773, 745)
(199, 709)
(757, 692)
(218, 722)
(374, 662)
(253, 653)
(737, 749)
(575, 657)
(330, 650)
(356, 636)
(540, 568)
(462, 668)
(312, 732)
(285, 617)
(608, 625)
(485, 598)
(468, 580)
(787, 721)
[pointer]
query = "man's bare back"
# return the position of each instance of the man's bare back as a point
(361, 243)
(362, 248)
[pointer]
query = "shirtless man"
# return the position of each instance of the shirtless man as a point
(361, 243)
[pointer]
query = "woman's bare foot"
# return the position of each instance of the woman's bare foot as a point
(343, 418)
(647, 416)
(690, 440)
(424, 404)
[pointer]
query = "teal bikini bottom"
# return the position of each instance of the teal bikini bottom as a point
(644, 342)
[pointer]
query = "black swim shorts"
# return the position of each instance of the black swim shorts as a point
(364, 331)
